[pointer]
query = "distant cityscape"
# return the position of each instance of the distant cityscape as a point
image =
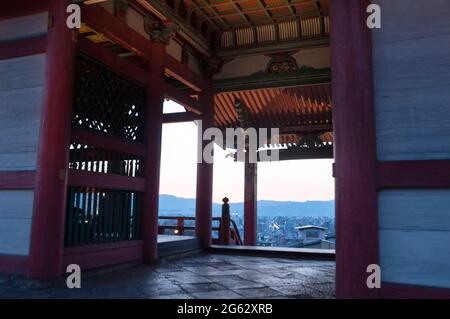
(280, 231)
(280, 224)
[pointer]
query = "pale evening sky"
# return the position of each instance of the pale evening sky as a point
(286, 180)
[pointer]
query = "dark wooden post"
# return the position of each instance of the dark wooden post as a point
(47, 232)
(153, 131)
(180, 226)
(355, 148)
(225, 223)
(203, 213)
(250, 202)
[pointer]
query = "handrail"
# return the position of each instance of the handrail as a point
(236, 231)
(227, 230)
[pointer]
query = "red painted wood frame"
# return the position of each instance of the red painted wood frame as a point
(414, 174)
(355, 148)
(94, 256)
(16, 265)
(180, 117)
(23, 47)
(17, 180)
(114, 28)
(182, 98)
(113, 61)
(107, 142)
(21, 180)
(106, 181)
(18, 8)
(204, 190)
(47, 231)
(358, 174)
(154, 81)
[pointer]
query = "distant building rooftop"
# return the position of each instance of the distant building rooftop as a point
(310, 227)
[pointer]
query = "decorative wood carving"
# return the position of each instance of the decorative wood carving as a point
(158, 31)
(281, 64)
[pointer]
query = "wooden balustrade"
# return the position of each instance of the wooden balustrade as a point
(228, 233)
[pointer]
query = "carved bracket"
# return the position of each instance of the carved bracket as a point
(211, 66)
(158, 31)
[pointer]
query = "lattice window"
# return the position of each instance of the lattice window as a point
(88, 158)
(107, 102)
(97, 216)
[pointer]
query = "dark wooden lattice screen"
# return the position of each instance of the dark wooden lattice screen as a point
(108, 104)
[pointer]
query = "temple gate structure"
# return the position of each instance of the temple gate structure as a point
(81, 115)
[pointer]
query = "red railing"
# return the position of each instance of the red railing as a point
(228, 233)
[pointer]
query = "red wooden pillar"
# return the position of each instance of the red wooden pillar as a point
(250, 203)
(355, 148)
(153, 131)
(47, 233)
(203, 211)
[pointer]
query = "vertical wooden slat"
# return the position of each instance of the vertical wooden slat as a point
(69, 219)
(101, 216)
(76, 231)
(138, 215)
(94, 229)
(88, 221)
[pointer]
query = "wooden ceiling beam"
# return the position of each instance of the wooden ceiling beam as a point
(100, 20)
(241, 12)
(214, 11)
(180, 117)
(182, 73)
(181, 97)
(269, 15)
(291, 7)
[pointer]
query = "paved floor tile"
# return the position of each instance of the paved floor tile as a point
(200, 276)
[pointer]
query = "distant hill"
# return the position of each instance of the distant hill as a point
(170, 205)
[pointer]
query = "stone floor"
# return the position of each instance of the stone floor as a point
(203, 276)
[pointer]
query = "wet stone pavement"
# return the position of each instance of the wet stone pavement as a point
(203, 276)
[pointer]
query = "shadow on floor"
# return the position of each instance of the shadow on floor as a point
(204, 276)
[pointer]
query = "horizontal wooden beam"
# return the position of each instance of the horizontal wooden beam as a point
(297, 153)
(93, 256)
(18, 8)
(115, 29)
(180, 117)
(306, 128)
(10, 264)
(414, 174)
(399, 291)
(107, 143)
(105, 181)
(113, 61)
(22, 47)
(17, 180)
(272, 47)
(182, 98)
(182, 73)
(268, 80)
